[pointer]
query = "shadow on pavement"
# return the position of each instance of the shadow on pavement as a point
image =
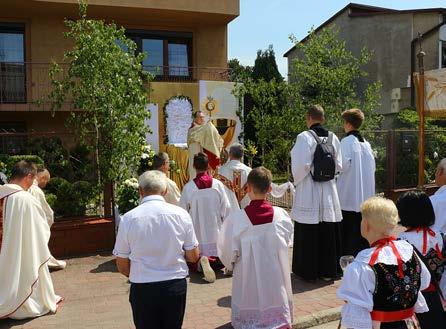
(300, 285)
(225, 326)
(108, 266)
(224, 302)
(10, 323)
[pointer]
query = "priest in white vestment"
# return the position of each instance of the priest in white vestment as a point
(203, 137)
(161, 163)
(205, 199)
(253, 242)
(316, 209)
(234, 175)
(439, 198)
(42, 179)
(26, 288)
(356, 182)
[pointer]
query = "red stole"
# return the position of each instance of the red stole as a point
(381, 244)
(426, 230)
(260, 212)
(214, 161)
(203, 180)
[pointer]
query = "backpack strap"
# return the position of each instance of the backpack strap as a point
(330, 138)
(316, 137)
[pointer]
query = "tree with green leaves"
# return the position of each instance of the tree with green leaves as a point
(238, 72)
(265, 66)
(325, 72)
(104, 78)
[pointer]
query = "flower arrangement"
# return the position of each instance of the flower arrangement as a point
(173, 167)
(128, 195)
(146, 160)
(250, 151)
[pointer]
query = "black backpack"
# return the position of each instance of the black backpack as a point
(324, 158)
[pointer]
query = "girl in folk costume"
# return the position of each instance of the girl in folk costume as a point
(253, 242)
(417, 215)
(382, 287)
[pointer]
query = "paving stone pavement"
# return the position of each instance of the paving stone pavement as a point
(96, 296)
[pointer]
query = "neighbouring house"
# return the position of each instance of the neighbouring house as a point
(392, 37)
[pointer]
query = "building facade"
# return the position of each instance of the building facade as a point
(391, 35)
(187, 40)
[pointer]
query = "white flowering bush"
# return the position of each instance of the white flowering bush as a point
(128, 195)
(146, 160)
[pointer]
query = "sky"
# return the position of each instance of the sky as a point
(265, 22)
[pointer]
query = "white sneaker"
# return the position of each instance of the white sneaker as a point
(227, 272)
(209, 274)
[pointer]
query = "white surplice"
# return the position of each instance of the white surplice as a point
(227, 170)
(439, 203)
(356, 183)
(173, 192)
(258, 255)
(208, 208)
(26, 288)
(37, 192)
(359, 283)
(314, 202)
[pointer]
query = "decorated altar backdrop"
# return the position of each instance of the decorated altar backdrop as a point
(178, 111)
(218, 102)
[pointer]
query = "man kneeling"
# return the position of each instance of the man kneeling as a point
(253, 243)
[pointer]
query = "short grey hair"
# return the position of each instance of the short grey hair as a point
(442, 165)
(153, 182)
(236, 151)
(159, 160)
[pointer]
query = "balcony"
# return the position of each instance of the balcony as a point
(25, 86)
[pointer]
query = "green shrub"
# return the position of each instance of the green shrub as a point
(51, 199)
(10, 160)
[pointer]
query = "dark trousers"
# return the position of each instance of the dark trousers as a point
(317, 249)
(352, 241)
(158, 305)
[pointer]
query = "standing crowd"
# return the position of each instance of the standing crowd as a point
(222, 223)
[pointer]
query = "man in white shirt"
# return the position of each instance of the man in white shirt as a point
(234, 175)
(316, 210)
(439, 198)
(154, 243)
(161, 163)
(356, 183)
(42, 178)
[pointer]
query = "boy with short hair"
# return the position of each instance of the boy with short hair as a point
(382, 287)
(253, 242)
(356, 183)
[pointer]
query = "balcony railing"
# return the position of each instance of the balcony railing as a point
(29, 82)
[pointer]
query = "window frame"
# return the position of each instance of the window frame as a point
(168, 37)
(15, 28)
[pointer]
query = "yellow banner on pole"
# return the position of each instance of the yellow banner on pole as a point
(435, 92)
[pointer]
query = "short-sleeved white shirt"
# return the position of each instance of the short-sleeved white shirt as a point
(154, 236)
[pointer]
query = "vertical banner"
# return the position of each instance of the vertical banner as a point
(153, 124)
(435, 92)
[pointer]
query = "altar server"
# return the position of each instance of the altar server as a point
(205, 199)
(417, 215)
(26, 289)
(316, 210)
(253, 243)
(382, 287)
(356, 183)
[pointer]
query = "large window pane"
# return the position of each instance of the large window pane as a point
(153, 62)
(11, 47)
(178, 59)
(12, 68)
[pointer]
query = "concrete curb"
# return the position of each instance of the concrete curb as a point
(318, 318)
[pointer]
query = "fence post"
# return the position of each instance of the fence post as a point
(391, 162)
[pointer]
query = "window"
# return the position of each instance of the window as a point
(12, 64)
(168, 53)
(12, 139)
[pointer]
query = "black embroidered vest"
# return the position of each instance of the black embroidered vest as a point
(392, 293)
